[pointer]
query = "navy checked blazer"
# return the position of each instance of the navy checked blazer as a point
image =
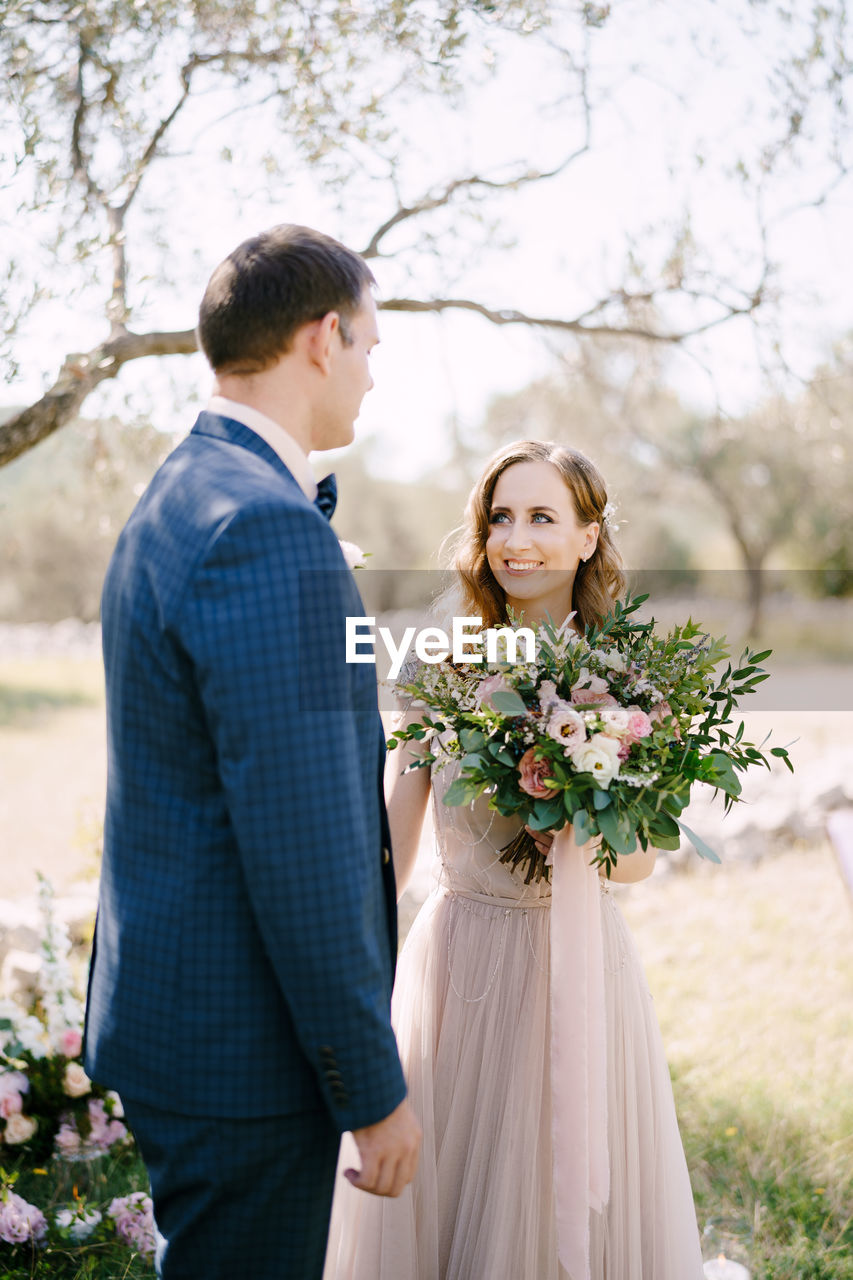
(246, 933)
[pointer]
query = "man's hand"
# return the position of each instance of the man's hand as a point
(389, 1153)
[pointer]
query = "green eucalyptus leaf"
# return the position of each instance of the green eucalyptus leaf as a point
(703, 849)
(460, 791)
(508, 702)
(582, 826)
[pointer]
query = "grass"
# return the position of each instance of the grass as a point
(31, 689)
(752, 973)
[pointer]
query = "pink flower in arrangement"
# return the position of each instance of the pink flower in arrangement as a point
(20, 1221)
(588, 682)
(134, 1219)
(533, 774)
(70, 1042)
(586, 698)
(13, 1085)
(67, 1141)
(491, 684)
(639, 724)
(565, 725)
(589, 689)
(661, 712)
(105, 1131)
(11, 1105)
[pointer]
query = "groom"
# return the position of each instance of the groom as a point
(244, 951)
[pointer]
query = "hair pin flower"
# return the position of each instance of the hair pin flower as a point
(607, 516)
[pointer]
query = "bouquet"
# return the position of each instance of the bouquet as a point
(608, 730)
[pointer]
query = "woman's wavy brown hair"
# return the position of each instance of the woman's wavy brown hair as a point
(599, 581)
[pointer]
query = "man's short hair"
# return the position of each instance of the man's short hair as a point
(271, 286)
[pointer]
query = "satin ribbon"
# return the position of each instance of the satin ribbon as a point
(578, 1050)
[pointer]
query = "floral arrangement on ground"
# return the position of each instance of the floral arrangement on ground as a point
(54, 1119)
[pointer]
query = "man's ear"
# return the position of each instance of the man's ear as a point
(320, 340)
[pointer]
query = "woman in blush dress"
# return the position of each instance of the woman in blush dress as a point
(499, 1194)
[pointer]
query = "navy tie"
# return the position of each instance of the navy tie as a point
(327, 496)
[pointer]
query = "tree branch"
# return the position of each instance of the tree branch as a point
(443, 197)
(78, 160)
(150, 151)
(79, 376)
(579, 324)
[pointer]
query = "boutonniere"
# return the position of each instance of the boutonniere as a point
(353, 554)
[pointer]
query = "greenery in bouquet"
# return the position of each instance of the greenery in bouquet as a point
(608, 730)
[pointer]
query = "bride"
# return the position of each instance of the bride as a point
(472, 1006)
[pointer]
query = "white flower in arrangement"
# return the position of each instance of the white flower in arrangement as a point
(29, 1034)
(353, 554)
(79, 1224)
(599, 757)
(75, 1082)
(63, 1010)
(615, 718)
(610, 659)
(19, 1128)
(116, 1110)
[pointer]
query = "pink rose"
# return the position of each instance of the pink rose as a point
(13, 1085)
(533, 774)
(586, 680)
(491, 684)
(639, 724)
(586, 697)
(11, 1105)
(661, 712)
(70, 1042)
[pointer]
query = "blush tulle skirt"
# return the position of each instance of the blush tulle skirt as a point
(471, 1012)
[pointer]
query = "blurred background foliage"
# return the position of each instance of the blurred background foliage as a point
(770, 491)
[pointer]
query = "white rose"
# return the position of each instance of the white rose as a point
(616, 718)
(19, 1128)
(612, 660)
(599, 757)
(75, 1082)
(117, 1109)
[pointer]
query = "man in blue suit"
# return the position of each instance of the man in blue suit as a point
(244, 952)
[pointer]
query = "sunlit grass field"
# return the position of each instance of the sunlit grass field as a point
(752, 973)
(751, 968)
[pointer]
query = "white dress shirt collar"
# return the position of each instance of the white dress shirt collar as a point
(281, 441)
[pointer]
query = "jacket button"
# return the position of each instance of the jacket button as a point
(386, 855)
